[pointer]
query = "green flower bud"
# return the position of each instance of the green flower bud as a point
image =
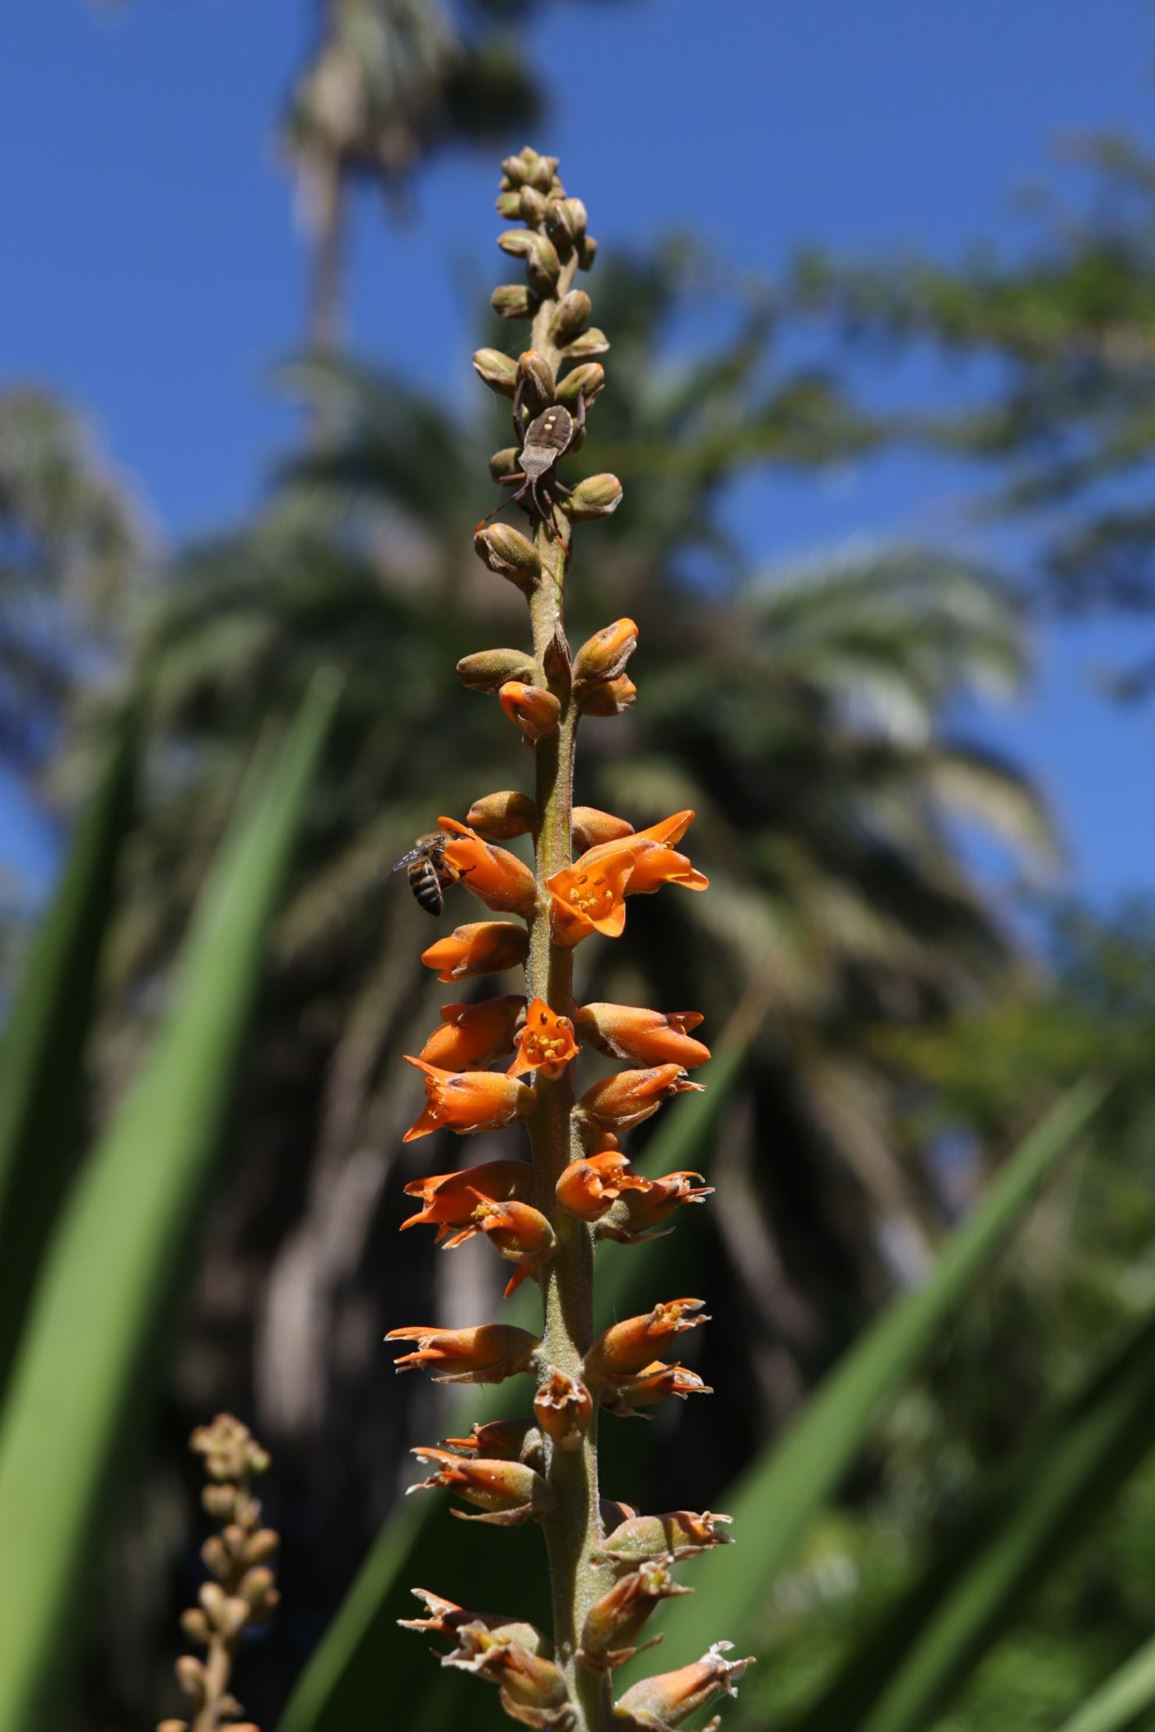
(517, 169)
(508, 204)
(587, 381)
(497, 370)
(513, 301)
(575, 216)
(573, 311)
(541, 261)
(543, 173)
(505, 465)
(587, 252)
(489, 670)
(511, 554)
(590, 343)
(596, 496)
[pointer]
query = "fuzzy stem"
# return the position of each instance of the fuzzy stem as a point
(573, 1527)
(218, 1671)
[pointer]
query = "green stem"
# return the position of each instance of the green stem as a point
(573, 1527)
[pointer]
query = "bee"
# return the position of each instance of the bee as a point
(426, 869)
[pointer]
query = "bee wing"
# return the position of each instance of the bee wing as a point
(407, 859)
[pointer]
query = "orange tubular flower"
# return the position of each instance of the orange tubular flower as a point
(656, 862)
(488, 1353)
(626, 1099)
(627, 1348)
(445, 1618)
(590, 899)
(589, 1187)
(648, 1036)
(613, 1623)
(506, 1489)
(545, 1044)
(671, 1697)
(681, 1533)
(625, 1395)
(450, 1199)
(535, 711)
(563, 1408)
(499, 878)
(651, 1202)
(533, 1691)
(473, 1035)
(482, 947)
(521, 1233)
(611, 698)
(465, 1101)
(591, 828)
(502, 1439)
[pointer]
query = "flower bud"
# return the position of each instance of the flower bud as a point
(498, 371)
(445, 1618)
(517, 169)
(535, 711)
(213, 1600)
(587, 251)
(542, 264)
(635, 1217)
(611, 698)
(591, 827)
(219, 1501)
(195, 1625)
(520, 1232)
(626, 1395)
(671, 1697)
(613, 1623)
(570, 317)
(563, 1408)
(604, 656)
(596, 496)
(565, 220)
(679, 1534)
(537, 379)
(588, 1188)
(648, 1036)
(513, 301)
(508, 204)
(258, 1588)
(488, 1353)
(489, 670)
(505, 465)
(502, 816)
(265, 1543)
(532, 206)
(590, 344)
(481, 947)
(586, 381)
(172, 1726)
(510, 553)
(215, 1556)
(190, 1675)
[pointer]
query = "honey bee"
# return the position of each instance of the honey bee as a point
(425, 866)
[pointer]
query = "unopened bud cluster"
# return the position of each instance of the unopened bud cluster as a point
(510, 1060)
(242, 1592)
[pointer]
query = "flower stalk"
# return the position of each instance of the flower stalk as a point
(609, 1566)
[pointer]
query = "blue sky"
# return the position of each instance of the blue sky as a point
(153, 270)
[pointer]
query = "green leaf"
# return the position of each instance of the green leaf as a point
(773, 1503)
(42, 1070)
(1118, 1702)
(1023, 1522)
(364, 1660)
(92, 1350)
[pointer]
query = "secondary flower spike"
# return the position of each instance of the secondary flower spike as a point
(465, 1101)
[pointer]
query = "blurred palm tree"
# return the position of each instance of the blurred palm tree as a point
(72, 545)
(388, 83)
